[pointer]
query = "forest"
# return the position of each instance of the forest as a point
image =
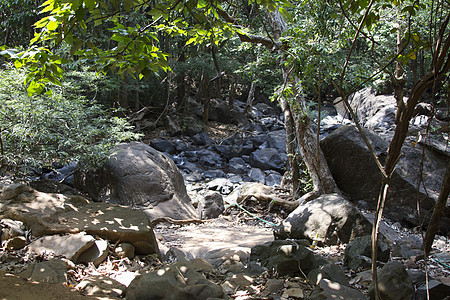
(80, 77)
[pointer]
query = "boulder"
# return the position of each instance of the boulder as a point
(163, 145)
(211, 206)
(96, 254)
(182, 280)
(357, 175)
(46, 214)
(69, 246)
(330, 290)
(138, 175)
(51, 271)
(394, 283)
(329, 219)
(358, 252)
(436, 289)
(277, 140)
(101, 286)
(267, 159)
(285, 257)
(409, 247)
(374, 112)
(328, 271)
(257, 175)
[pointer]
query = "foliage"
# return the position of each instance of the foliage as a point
(38, 130)
(16, 21)
(131, 49)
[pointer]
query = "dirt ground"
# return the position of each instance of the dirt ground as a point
(16, 288)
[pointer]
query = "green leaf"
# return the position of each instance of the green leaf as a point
(52, 25)
(75, 47)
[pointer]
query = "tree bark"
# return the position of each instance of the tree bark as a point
(438, 211)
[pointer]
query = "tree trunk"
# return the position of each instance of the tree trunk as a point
(250, 98)
(438, 211)
(294, 167)
(322, 179)
(308, 146)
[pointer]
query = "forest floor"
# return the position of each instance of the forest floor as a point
(235, 232)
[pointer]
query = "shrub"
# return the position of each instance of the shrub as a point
(66, 126)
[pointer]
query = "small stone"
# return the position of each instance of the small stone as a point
(16, 243)
(274, 285)
(295, 293)
(96, 254)
(125, 250)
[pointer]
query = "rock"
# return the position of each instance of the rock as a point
(274, 285)
(267, 159)
(410, 246)
(202, 139)
(231, 151)
(238, 166)
(329, 290)
(374, 112)
(394, 283)
(101, 286)
(257, 175)
(174, 254)
(16, 243)
(358, 252)
(285, 257)
(52, 271)
(172, 127)
(222, 185)
(178, 281)
(296, 293)
(329, 271)
(62, 174)
(125, 250)
(52, 186)
(357, 175)
(69, 246)
(138, 175)
(11, 229)
(220, 111)
(211, 206)
(330, 219)
(238, 282)
(437, 291)
(214, 174)
(266, 109)
(277, 140)
(274, 178)
(46, 214)
(96, 254)
(228, 260)
(163, 145)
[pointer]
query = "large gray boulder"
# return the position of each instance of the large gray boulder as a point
(139, 176)
(358, 252)
(376, 112)
(285, 257)
(330, 290)
(180, 281)
(329, 219)
(267, 159)
(394, 283)
(47, 214)
(357, 175)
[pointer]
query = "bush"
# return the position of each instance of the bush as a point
(40, 130)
